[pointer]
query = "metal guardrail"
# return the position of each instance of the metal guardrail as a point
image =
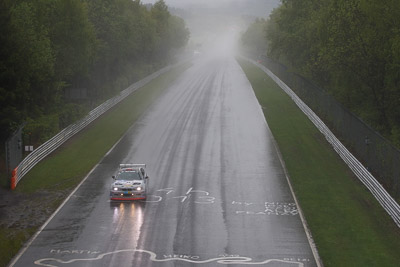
(48, 147)
(376, 153)
(377, 190)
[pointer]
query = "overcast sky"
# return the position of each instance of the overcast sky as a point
(259, 8)
(216, 25)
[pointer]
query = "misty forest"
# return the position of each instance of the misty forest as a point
(350, 48)
(60, 58)
(231, 170)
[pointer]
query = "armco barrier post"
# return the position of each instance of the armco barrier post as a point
(14, 178)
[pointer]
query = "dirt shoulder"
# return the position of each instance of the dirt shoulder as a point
(20, 211)
(21, 215)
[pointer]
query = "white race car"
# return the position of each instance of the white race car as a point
(130, 183)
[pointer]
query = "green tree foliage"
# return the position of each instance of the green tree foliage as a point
(350, 47)
(117, 28)
(165, 26)
(253, 40)
(27, 64)
(160, 14)
(171, 32)
(73, 38)
(177, 32)
(51, 46)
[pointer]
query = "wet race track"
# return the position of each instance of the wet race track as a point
(218, 192)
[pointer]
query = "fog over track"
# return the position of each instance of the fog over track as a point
(218, 192)
(258, 8)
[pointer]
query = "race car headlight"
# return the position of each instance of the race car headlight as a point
(138, 188)
(115, 188)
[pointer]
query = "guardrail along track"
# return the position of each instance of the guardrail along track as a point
(377, 190)
(48, 147)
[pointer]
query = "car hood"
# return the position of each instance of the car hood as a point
(127, 184)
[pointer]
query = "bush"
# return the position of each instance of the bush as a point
(41, 129)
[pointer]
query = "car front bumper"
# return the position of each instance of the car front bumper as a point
(118, 195)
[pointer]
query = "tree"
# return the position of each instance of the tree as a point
(361, 43)
(254, 38)
(73, 39)
(178, 33)
(160, 15)
(48, 46)
(350, 47)
(27, 64)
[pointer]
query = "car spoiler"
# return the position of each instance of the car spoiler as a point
(129, 165)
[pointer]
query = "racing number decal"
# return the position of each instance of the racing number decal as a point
(205, 200)
(199, 196)
(156, 199)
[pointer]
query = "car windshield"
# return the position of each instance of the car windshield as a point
(129, 176)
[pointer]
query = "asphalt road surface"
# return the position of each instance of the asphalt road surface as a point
(218, 192)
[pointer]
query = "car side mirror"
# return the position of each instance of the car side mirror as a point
(113, 176)
(147, 177)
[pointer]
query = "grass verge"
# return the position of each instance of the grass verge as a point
(62, 169)
(59, 173)
(348, 225)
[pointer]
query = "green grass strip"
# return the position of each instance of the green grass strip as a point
(78, 156)
(11, 242)
(67, 166)
(348, 225)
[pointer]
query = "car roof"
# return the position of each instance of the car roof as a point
(130, 170)
(131, 166)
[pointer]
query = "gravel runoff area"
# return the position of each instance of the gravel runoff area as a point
(20, 211)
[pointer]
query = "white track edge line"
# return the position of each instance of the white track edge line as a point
(30, 241)
(302, 217)
(28, 244)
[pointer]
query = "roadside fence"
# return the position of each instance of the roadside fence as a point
(48, 147)
(376, 153)
(363, 174)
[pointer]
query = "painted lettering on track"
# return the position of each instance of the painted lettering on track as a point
(53, 262)
(199, 196)
(270, 208)
(67, 251)
(242, 207)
